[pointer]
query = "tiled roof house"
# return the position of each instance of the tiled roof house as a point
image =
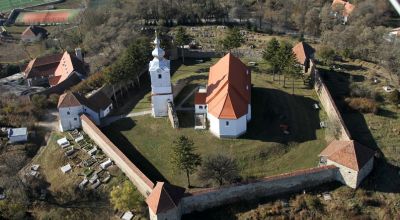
(33, 34)
(164, 201)
(72, 105)
(354, 160)
(53, 69)
(304, 53)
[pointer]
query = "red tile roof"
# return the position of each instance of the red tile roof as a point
(43, 66)
(33, 31)
(68, 64)
(348, 7)
(164, 197)
(200, 98)
(350, 154)
(303, 52)
(229, 88)
(96, 102)
(71, 99)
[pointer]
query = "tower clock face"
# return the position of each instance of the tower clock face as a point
(158, 70)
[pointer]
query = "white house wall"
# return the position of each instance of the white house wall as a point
(70, 121)
(200, 110)
(19, 138)
(104, 113)
(367, 168)
(345, 175)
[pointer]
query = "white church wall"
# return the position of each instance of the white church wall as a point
(227, 128)
(233, 128)
(248, 113)
(214, 125)
(160, 105)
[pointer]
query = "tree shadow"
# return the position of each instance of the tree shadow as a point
(114, 133)
(387, 113)
(272, 108)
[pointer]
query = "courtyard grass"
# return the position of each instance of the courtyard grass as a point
(264, 150)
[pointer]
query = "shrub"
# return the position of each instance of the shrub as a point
(394, 97)
(53, 100)
(364, 105)
(39, 101)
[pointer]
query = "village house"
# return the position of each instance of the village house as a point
(16, 135)
(354, 161)
(227, 98)
(164, 201)
(72, 105)
(33, 34)
(304, 53)
(54, 69)
(342, 9)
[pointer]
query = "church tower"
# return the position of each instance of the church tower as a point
(161, 88)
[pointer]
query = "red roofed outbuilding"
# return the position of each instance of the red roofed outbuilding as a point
(72, 105)
(354, 160)
(164, 201)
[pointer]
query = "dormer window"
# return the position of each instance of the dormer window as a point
(159, 76)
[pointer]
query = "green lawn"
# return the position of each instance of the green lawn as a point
(263, 151)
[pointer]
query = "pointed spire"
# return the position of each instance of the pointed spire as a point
(158, 52)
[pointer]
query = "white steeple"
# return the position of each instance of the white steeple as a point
(158, 52)
(160, 76)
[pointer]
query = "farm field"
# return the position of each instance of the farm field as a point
(264, 150)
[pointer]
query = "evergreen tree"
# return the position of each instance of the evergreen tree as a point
(270, 55)
(181, 39)
(184, 156)
(233, 39)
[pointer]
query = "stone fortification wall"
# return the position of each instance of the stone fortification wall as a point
(269, 186)
(144, 185)
(329, 105)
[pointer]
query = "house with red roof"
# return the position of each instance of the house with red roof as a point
(304, 53)
(72, 105)
(164, 201)
(54, 69)
(33, 34)
(354, 161)
(342, 9)
(227, 99)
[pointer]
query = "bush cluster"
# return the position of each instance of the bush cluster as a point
(364, 105)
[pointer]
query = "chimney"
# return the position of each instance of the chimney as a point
(78, 54)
